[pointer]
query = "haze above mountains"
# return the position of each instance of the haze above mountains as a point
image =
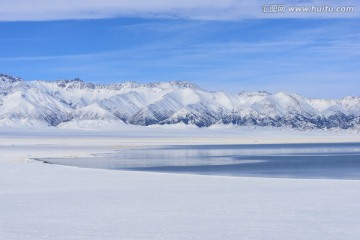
(75, 103)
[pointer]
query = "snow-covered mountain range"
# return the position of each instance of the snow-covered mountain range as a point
(71, 103)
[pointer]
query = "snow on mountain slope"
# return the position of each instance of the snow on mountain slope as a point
(8, 84)
(93, 112)
(281, 104)
(226, 100)
(27, 105)
(75, 103)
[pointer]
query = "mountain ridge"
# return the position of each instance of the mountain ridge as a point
(56, 103)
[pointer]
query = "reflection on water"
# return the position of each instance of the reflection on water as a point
(274, 160)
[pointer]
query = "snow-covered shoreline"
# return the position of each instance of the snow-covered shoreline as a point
(184, 133)
(42, 201)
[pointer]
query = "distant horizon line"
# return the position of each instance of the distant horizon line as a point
(170, 81)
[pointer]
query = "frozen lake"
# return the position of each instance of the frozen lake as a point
(336, 160)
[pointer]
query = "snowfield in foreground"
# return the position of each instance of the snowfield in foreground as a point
(42, 201)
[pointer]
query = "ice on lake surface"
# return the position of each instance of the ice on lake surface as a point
(338, 161)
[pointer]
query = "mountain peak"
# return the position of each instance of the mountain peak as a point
(184, 84)
(8, 78)
(70, 81)
(163, 85)
(75, 83)
(255, 93)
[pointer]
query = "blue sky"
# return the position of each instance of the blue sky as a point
(314, 57)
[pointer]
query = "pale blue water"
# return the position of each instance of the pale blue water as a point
(339, 161)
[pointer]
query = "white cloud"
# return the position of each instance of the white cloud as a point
(42, 10)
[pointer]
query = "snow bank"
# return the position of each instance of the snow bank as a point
(42, 201)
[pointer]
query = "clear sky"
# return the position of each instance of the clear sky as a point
(229, 46)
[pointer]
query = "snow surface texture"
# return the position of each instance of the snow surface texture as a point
(76, 104)
(42, 201)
